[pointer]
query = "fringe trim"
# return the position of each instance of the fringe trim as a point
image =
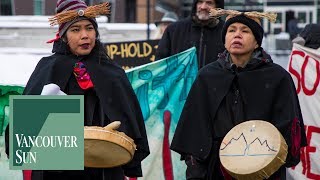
(89, 12)
(217, 12)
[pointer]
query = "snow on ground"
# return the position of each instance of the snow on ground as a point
(17, 64)
(5, 173)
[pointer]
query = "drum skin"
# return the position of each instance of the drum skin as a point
(104, 147)
(254, 150)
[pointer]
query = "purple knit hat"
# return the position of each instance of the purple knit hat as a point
(66, 5)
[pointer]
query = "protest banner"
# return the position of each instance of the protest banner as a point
(132, 54)
(304, 67)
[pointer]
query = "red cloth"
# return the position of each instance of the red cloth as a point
(55, 39)
(26, 174)
(82, 76)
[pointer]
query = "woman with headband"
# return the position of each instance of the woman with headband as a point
(243, 84)
(81, 66)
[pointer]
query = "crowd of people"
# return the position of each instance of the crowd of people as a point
(237, 82)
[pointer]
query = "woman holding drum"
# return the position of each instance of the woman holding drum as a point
(81, 66)
(243, 84)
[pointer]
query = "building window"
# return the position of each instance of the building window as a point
(38, 7)
(6, 7)
(302, 17)
(130, 11)
(186, 8)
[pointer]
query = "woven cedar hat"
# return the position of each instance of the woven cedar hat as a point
(250, 19)
(72, 11)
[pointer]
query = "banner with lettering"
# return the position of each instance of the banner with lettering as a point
(304, 67)
(161, 88)
(132, 54)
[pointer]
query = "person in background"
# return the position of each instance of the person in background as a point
(309, 36)
(168, 18)
(81, 66)
(292, 25)
(197, 30)
(243, 84)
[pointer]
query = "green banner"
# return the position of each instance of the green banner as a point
(5, 92)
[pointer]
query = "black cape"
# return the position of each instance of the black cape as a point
(268, 93)
(111, 87)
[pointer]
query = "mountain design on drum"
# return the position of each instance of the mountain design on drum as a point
(240, 147)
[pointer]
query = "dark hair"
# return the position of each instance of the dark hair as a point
(219, 4)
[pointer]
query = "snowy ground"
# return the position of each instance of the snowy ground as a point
(5, 173)
(17, 64)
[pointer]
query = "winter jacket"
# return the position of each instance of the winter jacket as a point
(189, 32)
(311, 35)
